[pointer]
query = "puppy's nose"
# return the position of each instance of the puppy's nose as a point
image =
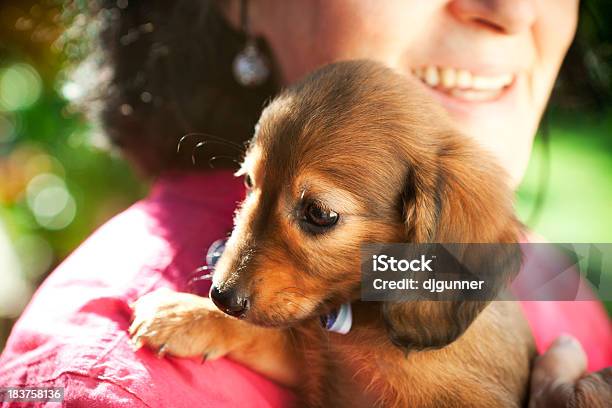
(229, 301)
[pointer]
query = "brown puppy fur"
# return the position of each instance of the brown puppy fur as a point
(357, 140)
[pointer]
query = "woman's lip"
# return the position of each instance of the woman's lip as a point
(484, 104)
(452, 78)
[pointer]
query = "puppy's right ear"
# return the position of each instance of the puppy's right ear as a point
(458, 197)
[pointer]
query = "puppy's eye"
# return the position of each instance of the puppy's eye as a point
(316, 218)
(248, 181)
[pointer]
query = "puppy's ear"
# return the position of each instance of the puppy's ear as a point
(458, 196)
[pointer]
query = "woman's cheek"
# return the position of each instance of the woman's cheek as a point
(553, 34)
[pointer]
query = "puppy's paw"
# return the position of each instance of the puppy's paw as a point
(180, 324)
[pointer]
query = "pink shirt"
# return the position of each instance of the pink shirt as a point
(74, 332)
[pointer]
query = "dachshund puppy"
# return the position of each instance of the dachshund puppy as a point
(356, 154)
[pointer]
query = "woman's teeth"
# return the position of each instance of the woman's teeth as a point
(463, 84)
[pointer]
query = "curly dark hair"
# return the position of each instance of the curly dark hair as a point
(168, 72)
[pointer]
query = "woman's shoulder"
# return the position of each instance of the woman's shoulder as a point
(161, 238)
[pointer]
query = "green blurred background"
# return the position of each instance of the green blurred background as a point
(59, 181)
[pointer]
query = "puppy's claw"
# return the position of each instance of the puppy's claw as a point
(204, 358)
(161, 351)
(135, 327)
(137, 343)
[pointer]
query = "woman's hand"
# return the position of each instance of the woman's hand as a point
(559, 378)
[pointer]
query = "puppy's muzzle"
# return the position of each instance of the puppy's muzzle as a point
(229, 301)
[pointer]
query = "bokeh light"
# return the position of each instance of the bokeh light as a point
(71, 91)
(36, 255)
(8, 131)
(50, 201)
(20, 87)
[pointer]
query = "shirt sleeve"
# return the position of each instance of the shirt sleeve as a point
(90, 392)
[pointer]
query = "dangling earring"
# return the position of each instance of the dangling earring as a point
(251, 67)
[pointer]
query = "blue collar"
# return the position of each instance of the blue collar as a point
(339, 321)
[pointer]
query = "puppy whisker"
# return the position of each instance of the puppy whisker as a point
(230, 158)
(210, 138)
